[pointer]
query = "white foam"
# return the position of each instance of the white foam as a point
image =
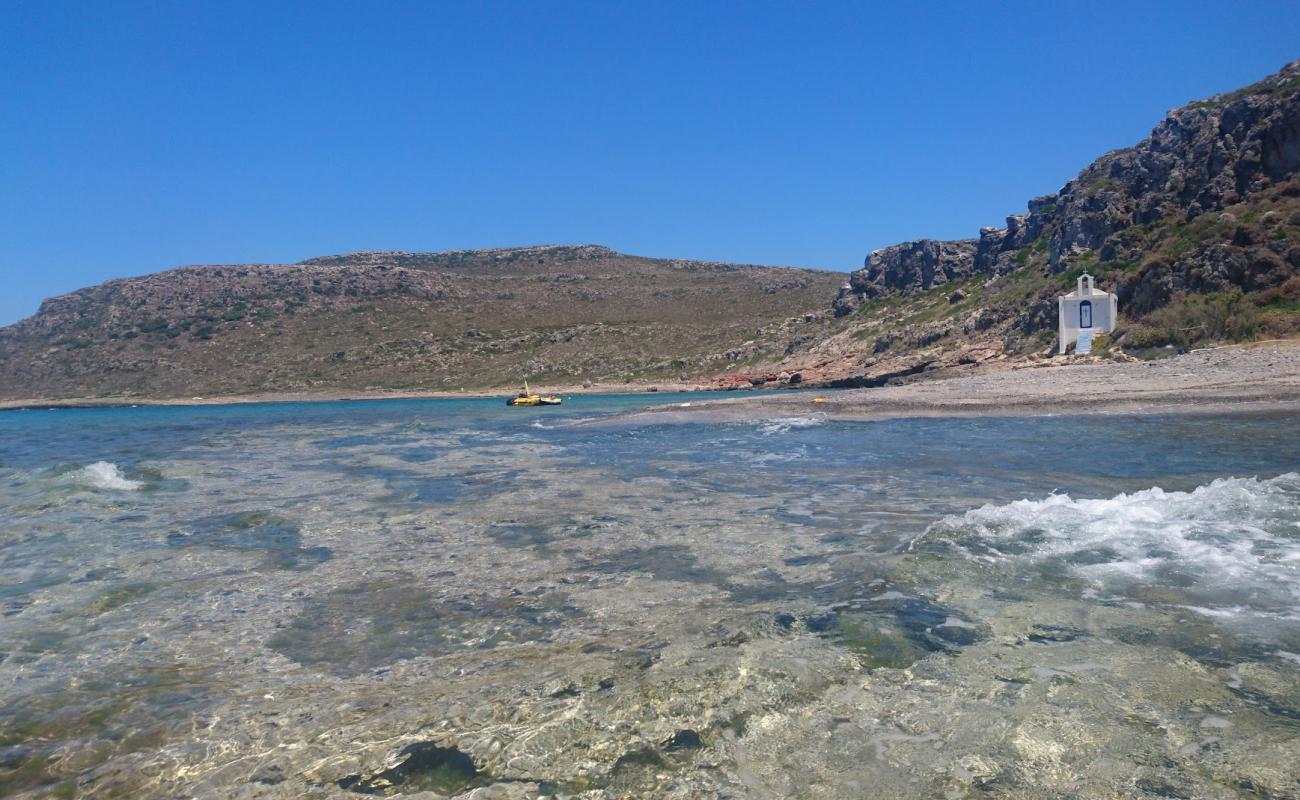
(1232, 547)
(106, 475)
(892, 595)
(780, 425)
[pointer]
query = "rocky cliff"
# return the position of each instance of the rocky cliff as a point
(1196, 228)
(1168, 216)
(386, 320)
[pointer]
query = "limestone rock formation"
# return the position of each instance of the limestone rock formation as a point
(1201, 159)
(914, 266)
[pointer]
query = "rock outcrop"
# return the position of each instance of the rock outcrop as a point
(1201, 159)
(908, 267)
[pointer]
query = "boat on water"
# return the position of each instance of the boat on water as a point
(526, 397)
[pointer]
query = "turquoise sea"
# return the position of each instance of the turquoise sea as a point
(463, 599)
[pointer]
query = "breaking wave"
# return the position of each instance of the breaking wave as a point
(106, 475)
(779, 425)
(1228, 548)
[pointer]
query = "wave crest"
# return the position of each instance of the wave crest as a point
(1227, 547)
(106, 475)
(779, 425)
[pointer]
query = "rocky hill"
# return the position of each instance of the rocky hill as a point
(416, 321)
(1197, 229)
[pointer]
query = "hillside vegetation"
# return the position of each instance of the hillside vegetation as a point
(413, 321)
(1196, 229)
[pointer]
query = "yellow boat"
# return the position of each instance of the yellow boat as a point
(527, 398)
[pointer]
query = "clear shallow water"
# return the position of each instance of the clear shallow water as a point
(278, 600)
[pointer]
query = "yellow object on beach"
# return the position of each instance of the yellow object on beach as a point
(819, 399)
(527, 398)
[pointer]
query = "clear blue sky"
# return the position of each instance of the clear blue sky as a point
(140, 136)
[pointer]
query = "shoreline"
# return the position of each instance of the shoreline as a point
(1253, 377)
(333, 396)
(1261, 376)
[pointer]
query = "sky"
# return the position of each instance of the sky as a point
(139, 136)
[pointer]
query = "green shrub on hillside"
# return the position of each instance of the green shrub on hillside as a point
(1195, 319)
(1286, 296)
(234, 313)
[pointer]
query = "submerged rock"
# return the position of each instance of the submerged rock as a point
(261, 531)
(424, 766)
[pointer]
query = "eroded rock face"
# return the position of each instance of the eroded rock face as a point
(1200, 159)
(913, 267)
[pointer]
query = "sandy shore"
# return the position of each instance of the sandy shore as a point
(335, 395)
(1259, 376)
